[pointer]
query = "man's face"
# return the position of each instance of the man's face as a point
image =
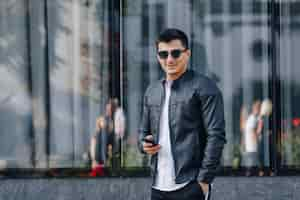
(174, 58)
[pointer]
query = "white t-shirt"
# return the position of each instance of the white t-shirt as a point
(250, 128)
(165, 177)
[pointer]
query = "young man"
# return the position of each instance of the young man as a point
(183, 126)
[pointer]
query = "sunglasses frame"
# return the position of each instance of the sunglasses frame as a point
(175, 53)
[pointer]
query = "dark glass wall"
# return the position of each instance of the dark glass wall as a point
(288, 46)
(73, 74)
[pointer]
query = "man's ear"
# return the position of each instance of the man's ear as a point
(189, 53)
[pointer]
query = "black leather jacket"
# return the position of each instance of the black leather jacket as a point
(196, 121)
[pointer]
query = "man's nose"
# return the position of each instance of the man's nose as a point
(170, 59)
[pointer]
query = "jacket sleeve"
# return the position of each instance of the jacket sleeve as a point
(144, 128)
(214, 123)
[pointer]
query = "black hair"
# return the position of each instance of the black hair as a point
(173, 34)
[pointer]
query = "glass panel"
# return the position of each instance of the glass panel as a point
(15, 100)
(289, 42)
(62, 59)
(142, 21)
(230, 43)
(236, 51)
(80, 64)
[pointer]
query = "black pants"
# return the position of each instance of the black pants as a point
(191, 191)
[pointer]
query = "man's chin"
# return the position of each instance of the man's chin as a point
(172, 71)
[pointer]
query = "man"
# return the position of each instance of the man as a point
(182, 126)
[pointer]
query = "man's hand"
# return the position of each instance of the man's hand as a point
(149, 148)
(204, 187)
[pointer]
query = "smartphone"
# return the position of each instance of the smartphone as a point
(149, 141)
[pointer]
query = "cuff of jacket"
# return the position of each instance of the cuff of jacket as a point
(206, 176)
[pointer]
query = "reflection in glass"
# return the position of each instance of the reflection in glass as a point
(15, 102)
(290, 85)
(142, 21)
(58, 80)
(61, 107)
(71, 83)
(82, 109)
(105, 142)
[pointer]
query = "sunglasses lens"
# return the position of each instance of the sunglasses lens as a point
(163, 54)
(176, 53)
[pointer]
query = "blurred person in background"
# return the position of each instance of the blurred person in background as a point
(252, 131)
(265, 135)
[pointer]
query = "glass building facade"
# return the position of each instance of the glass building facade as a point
(73, 74)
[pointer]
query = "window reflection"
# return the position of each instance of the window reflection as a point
(68, 83)
(289, 82)
(256, 136)
(68, 104)
(15, 90)
(105, 142)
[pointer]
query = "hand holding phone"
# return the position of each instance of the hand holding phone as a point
(150, 147)
(149, 141)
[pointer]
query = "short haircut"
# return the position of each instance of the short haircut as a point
(173, 34)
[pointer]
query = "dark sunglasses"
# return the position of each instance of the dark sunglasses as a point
(175, 53)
